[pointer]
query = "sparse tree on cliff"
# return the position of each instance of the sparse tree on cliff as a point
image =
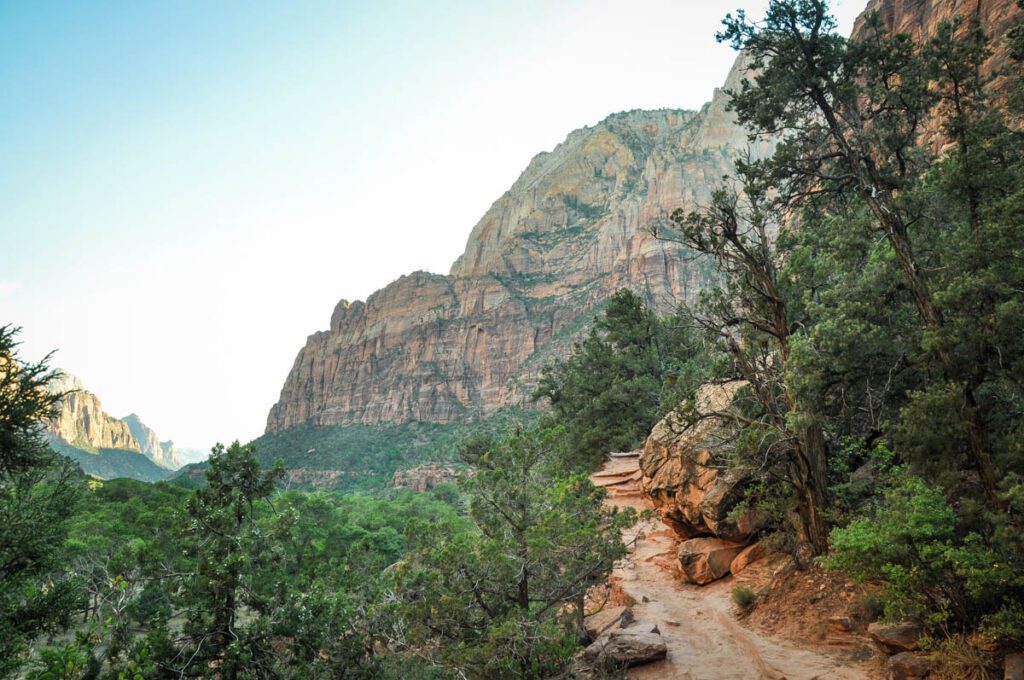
(749, 319)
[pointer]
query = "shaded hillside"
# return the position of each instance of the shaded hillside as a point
(112, 463)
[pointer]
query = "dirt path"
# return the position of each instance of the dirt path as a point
(705, 641)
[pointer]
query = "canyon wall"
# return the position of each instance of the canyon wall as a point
(82, 423)
(572, 230)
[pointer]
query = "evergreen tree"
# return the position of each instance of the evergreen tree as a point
(620, 380)
(506, 600)
(228, 546)
(38, 492)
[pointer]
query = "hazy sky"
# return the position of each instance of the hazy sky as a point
(188, 187)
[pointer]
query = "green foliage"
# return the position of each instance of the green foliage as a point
(369, 455)
(616, 383)
(505, 599)
(112, 463)
(932, 569)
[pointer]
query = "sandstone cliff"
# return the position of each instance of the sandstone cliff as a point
(161, 453)
(571, 230)
(81, 421)
(921, 18)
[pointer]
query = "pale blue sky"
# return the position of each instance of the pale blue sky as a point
(187, 188)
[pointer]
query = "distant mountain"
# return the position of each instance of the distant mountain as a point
(161, 453)
(105, 446)
(539, 265)
(189, 456)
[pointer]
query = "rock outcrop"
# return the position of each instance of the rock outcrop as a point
(424, 477)
(81, 421)
(687, 486)
(161, 453)
(894, 638)
(573, 228)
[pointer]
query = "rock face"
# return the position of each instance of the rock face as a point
(690, 493)
(81, 422)
(537, 267)
(161, 453)
(424, 477)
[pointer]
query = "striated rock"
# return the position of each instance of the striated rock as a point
(161, 453)
(704, 560)
(909, 666)
(424, 477)
(81, 422)
(896, 637)
(319, 479)
(688, 491)
(747, 556)
(573, 229)
(841, 624)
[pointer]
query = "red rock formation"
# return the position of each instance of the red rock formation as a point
(681, 477)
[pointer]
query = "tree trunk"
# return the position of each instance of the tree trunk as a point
(808, 472)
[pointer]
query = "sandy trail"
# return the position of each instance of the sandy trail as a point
(705, 641)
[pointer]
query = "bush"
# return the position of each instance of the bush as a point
(744, 597)
(931, 567)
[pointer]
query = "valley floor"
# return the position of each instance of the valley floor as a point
(704, 638)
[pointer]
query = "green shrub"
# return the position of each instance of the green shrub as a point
(743, 597)
(932, 568)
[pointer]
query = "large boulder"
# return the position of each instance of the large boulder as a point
(704, 560)
(688, 490)
(894, 638)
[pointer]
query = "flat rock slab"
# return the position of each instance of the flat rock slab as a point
(603, 621)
